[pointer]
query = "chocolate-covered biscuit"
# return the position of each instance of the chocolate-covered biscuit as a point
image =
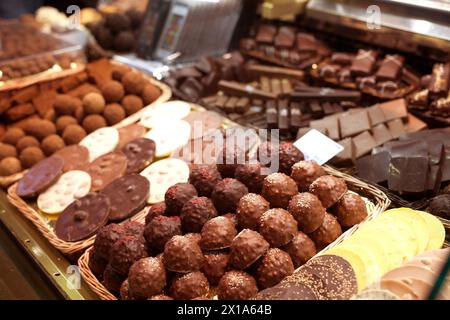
(106, 169)
(130, 133)
(75, 157)
(139, 153)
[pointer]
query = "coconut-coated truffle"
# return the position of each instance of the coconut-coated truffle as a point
(216, 264)
(63, 121)
(278, 189)
(307, 209)
(124, 41)
(12, 136)
(51, 144)
(125, 252)
(7, 150)
(158, 209)
(112, 91)
(93, 122)
(250, 209)
(350, 210)
(30, 156)
(132, 104)
(64, 104)
(305, 172)
(236, 285)
(177, 195)
(328, 189)
(114, 113)
(288, 156)
(204, 178)
(227, 193)
(9, 166)
(277, 226)
(440, 206)
(105, 239)
(300, 249)
(182, 254)
(329, 231)
(195, 213)
(251, 176)
(160, 230)
(189, 286)
(247, 247)
(27, 141)
(73, 134)
(273, 267)
(133, 82)
(150, 93)
(40, 128)
(93, 103)
(217, 233)
(146, 278)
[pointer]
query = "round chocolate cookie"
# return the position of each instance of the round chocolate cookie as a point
(250, 209)
(195, 213)
(307, 209)
(83, 217)
(158, 209)
(217, 233)
(160, 230)
(278, 189)
(247, 247)
(350, 210)
(40, 177)
(277, 226)
(182, 254)
(216, 264)
(287, 291)
(139, 153)
(106, 169)
(203, 122)
(329, 231)
(177, 195)
(204, 178)
(75, 157)
(288, 156)
(273, 267)
(128, 195)
(130, 133)
(236, 285)
(305, 172)
(329, 189)
(146, 278)
(301, 249)
(227, 194)
(189, 286)
(250, 175)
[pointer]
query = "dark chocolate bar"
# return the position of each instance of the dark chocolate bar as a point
(374, 168)
(342, 58)
(238, 89)
(326, 94)
(271, 114)
(364, 62)
(408, 174)
(296, 115)
(391, 67)
(283, 116)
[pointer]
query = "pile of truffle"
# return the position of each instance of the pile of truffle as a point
(216, 235)
(79, 106)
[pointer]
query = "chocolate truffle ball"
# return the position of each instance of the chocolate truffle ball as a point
(204, 178)
(106, 237)
(10, 166)
(93, 122)
(161, 297)
(250, 209)
(150, 93)
(305, 172)
(133, 83)
(27, 141)
(177, 195)
(196, 237)
(104, 38)
(158, 209)
(132, 104)
(289, 155)
(133, 228)
(250, 175)
(126, 251)
(125, 293)
(51, 144)
(118, 71)
(218, 233)
(7, 150)
(182, 254)
(50, 115)
(112, 91)
(114, 113)
(307, 209)
(93, 103)
(136, 17)
(97, 264)
(216, 264)
(329, 231)
(301, 249)
(440, 206)
(195, 213)
(278, 189)
(160, 230)
(247, 247)
(147, 277)
(79, 113)
(64, 104)
(13, 135)
(63, 121)
(73, 134)
(273, 267)
(30, 156)
(189, 286)
(350, 210)
(117, 22)
(113, 279)
(228, 160)
(236, 285)
(227, 193)
(328, 189)
(277, 226)
(124, 41)
(40, 128)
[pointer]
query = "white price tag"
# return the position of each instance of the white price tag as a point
(318, 147)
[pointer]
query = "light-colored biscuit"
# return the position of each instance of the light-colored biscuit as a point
(169, 136)
(100, 142)
(165, 112)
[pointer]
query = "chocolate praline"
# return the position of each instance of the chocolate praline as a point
(328, 189)
(277, 226)
(300, 249)
(133, 228)
(305, 172)
(183, 255)
(236, 285)
(204, 178)
(106, 237)
(147, 277)
(216, 264)
(273, 267)
(177, 195)
(161, 297)
(189, 286)
(329, 231)
(288, 156)
(249, 210)
(125, 291)
(126, 251)
(307, 209)
(195, 213)
(97, 264)
(160, 230)
(229, 159)
(278, 189)
(227, 194)
(158, 209)
(350, 210)
(217, 233)
(250, 175)
(247, 247)
(112, 279)
(440, 206)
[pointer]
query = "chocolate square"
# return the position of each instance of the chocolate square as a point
(364, 143)
(374, 168)
(353, 123)
(364, 62)
(396, 128)
(394, 109)
(381, 134)
(376, 115)
(408, 174)
(346, 156)
(391, 67)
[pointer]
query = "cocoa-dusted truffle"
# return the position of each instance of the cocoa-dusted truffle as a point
(247, 247)
(329, 231)
(97, 264)
(305, 172)
(105, 239)
(277, 226)
(93, 122)
(177, 195)
(195, 213)
(278, 189)
(12, 136)
(146, 278)
(27, 141)
(113, 279)
(250, 208)
(182, 254)
(132, 104)
(189, 286)
(440, 206)
(307, 209)
(40, 128)
(64, 104)
(125, 293)
(236, 285)
(63, 121)
(216, 264)
(133, 82)
(329, 189)
(301, 249)
(30, 156)
(51, 144)
(160, 230)
(273, 267)
(158, 209)
(10, 166)
(350, 210)
(126, 251)
(204, 178)
(112, 91)
(124, 41)
(93, 103)
(118, 71)
(218, 233)
(251, 176)
(150, 93)
(114, 113)
(7, 150)
(227, 193)
(73, 134)
(79, 113)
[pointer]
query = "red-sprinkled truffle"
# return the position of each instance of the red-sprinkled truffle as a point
(307, 210)
(177, 195)
(217, 233)
(273, 267)
(158, 209)
(328, 189)
(247, 247)
(126, 251)
(182, 254)
(195, 213)
(236, 285)
(305, 172)
(227, 194)
(160, 230)
(277, 226)
(204, 178)
(278, 189)
(106, 237)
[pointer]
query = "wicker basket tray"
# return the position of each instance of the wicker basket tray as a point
(376, 202)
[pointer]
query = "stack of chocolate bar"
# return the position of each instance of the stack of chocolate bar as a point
(417, 163)
(384, 77)
(284, 46)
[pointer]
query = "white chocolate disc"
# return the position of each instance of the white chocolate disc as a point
(101, 142)
(169, 136)
(165, 112)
